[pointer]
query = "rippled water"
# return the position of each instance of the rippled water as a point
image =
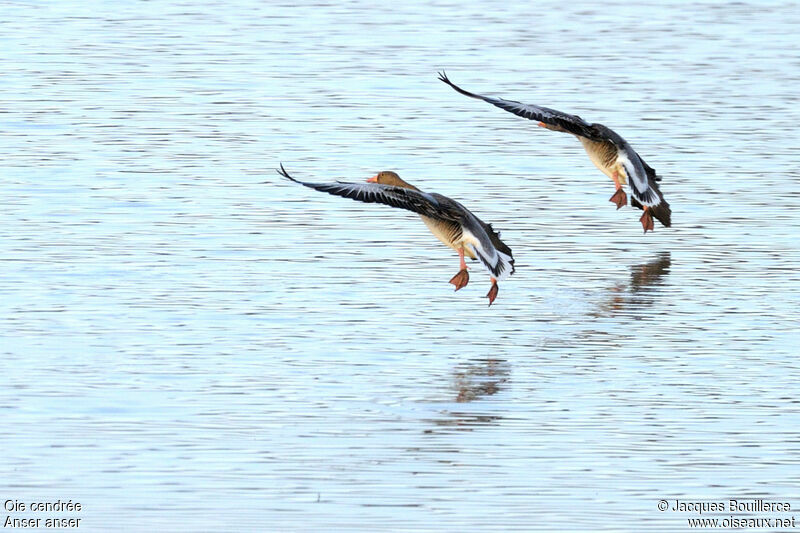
(193, 343)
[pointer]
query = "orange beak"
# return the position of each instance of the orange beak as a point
(373, 179)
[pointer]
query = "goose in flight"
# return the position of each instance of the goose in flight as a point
(608, 151)
(448, 220)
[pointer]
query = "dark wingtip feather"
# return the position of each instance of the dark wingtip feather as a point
(282, 172)
(443, 77)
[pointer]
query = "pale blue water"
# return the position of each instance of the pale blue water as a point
(191, 343)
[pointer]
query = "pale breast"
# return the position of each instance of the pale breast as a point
(604, 155)
(448, 232)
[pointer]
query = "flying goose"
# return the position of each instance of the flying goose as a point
(608, 151)
(448, 220)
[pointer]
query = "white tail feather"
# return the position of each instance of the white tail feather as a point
(499, 267)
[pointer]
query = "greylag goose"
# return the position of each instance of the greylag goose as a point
(608, 151)
(448, 220)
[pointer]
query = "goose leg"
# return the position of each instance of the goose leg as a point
(619, 197)
(461, 279)
(492, 294)
(647, 220)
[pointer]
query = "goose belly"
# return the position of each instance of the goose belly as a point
(605, 156)
(450, 234)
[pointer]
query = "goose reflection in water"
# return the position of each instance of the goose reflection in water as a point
(474, 380)
(639, 293)
(485, 377)
(480, 378)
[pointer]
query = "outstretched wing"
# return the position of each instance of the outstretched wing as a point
(416, 201)
(564, 121)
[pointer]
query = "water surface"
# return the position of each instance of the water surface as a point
(192, 343)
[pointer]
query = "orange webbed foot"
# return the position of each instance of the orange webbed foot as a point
(492, 294)
(619, 198)
(461, 279)
(647, 221)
